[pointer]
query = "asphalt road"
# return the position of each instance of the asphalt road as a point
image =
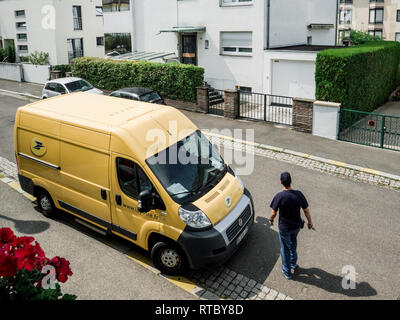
(356, 224)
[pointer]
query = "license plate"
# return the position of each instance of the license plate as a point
(241, 236)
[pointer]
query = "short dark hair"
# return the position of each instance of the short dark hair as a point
(286, 179)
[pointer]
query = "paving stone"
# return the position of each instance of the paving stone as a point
(239, 277)
(243, 283)
(225, 283)
(232, 273)
(255, 290)
(271, 295)
(261, 295)
(234, 295)
(251, 283)
(258, 286)
(227, 292)
(244, 294)
(215, 285)
(265, 289)
(280, 296)
(238, 289)
(209, 296)
(288, 298)
(231, 287)
(209, 283)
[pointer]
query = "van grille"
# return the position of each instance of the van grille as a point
(234, 229)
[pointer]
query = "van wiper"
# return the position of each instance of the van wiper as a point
(192, 191)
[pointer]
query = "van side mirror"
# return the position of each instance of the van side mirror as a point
(145, 202)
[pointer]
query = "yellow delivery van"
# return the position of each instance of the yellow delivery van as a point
(141, 171)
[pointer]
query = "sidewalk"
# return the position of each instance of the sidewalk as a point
(22, 87)
(284, 137)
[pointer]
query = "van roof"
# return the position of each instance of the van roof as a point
(103, 110)
(111, 115)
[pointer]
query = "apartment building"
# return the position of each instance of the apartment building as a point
(377, 17)
(258, 45)
(65, 29)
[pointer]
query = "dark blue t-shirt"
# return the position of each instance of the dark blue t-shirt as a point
(289, 203)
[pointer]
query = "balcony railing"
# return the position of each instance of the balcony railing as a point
(77, 23)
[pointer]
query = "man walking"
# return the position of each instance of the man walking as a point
(289, 202)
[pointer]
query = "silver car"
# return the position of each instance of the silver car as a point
(61, 86)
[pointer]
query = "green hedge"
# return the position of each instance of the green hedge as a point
(174, 81)
(360, 77)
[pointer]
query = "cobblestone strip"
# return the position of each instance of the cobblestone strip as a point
(221, 282)
(356, 173)
(8, 168)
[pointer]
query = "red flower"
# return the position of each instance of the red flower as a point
(62, 268)
(8, 264)
(6, 235)
(26, 258)
(23, 241)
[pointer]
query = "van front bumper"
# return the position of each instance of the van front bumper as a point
(217, 245)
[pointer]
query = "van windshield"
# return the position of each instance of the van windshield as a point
(188, 167)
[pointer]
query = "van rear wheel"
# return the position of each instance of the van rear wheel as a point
(168, 258)
(45, 203)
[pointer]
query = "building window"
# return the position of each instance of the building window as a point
(20, 13)
(22, 36)
(21, 25)
(376, 15)
(100, 41)
(75, 48)
(235, 2)
(346, 1)
(376, 33)
(236, 43)
(116, 5)
(345, 16)
(398, 16)
(77, 14)
(397, 36)
(99, 11)
(23, 48)
(376, 0)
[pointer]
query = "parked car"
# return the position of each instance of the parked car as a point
(61, 86)
(141, 94)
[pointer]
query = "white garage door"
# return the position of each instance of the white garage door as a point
(293, 78)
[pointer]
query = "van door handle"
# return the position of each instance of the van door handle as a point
(103, 194)
(118, 199)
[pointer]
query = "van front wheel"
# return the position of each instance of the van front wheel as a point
(169, 259)
(46, 204)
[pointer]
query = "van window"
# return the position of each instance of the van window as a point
(132, 179)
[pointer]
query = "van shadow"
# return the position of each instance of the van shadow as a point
(258, 255)
(332, 283)
(28, 226)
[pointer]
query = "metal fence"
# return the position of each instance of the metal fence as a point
(372, 129)
(216, 101)
(266, 107)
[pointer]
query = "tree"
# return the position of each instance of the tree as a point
(359, 37)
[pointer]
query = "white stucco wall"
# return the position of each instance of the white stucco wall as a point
(11, 71)
(36, 74)
(47, 39)
(326, 119)
(289, 20)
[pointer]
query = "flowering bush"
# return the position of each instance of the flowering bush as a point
(21, 266)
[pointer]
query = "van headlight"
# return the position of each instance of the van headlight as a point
(194, 218)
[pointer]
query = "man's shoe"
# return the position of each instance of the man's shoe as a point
(287, 276)
(296, 268)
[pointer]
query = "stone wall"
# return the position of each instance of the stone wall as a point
(302, 114)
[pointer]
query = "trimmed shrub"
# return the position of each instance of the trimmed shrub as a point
(63, 68)
(359, 77)
(174, 81)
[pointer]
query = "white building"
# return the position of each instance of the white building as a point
(260, 45)
(65, 29)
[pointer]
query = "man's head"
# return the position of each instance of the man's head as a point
(286, 179)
